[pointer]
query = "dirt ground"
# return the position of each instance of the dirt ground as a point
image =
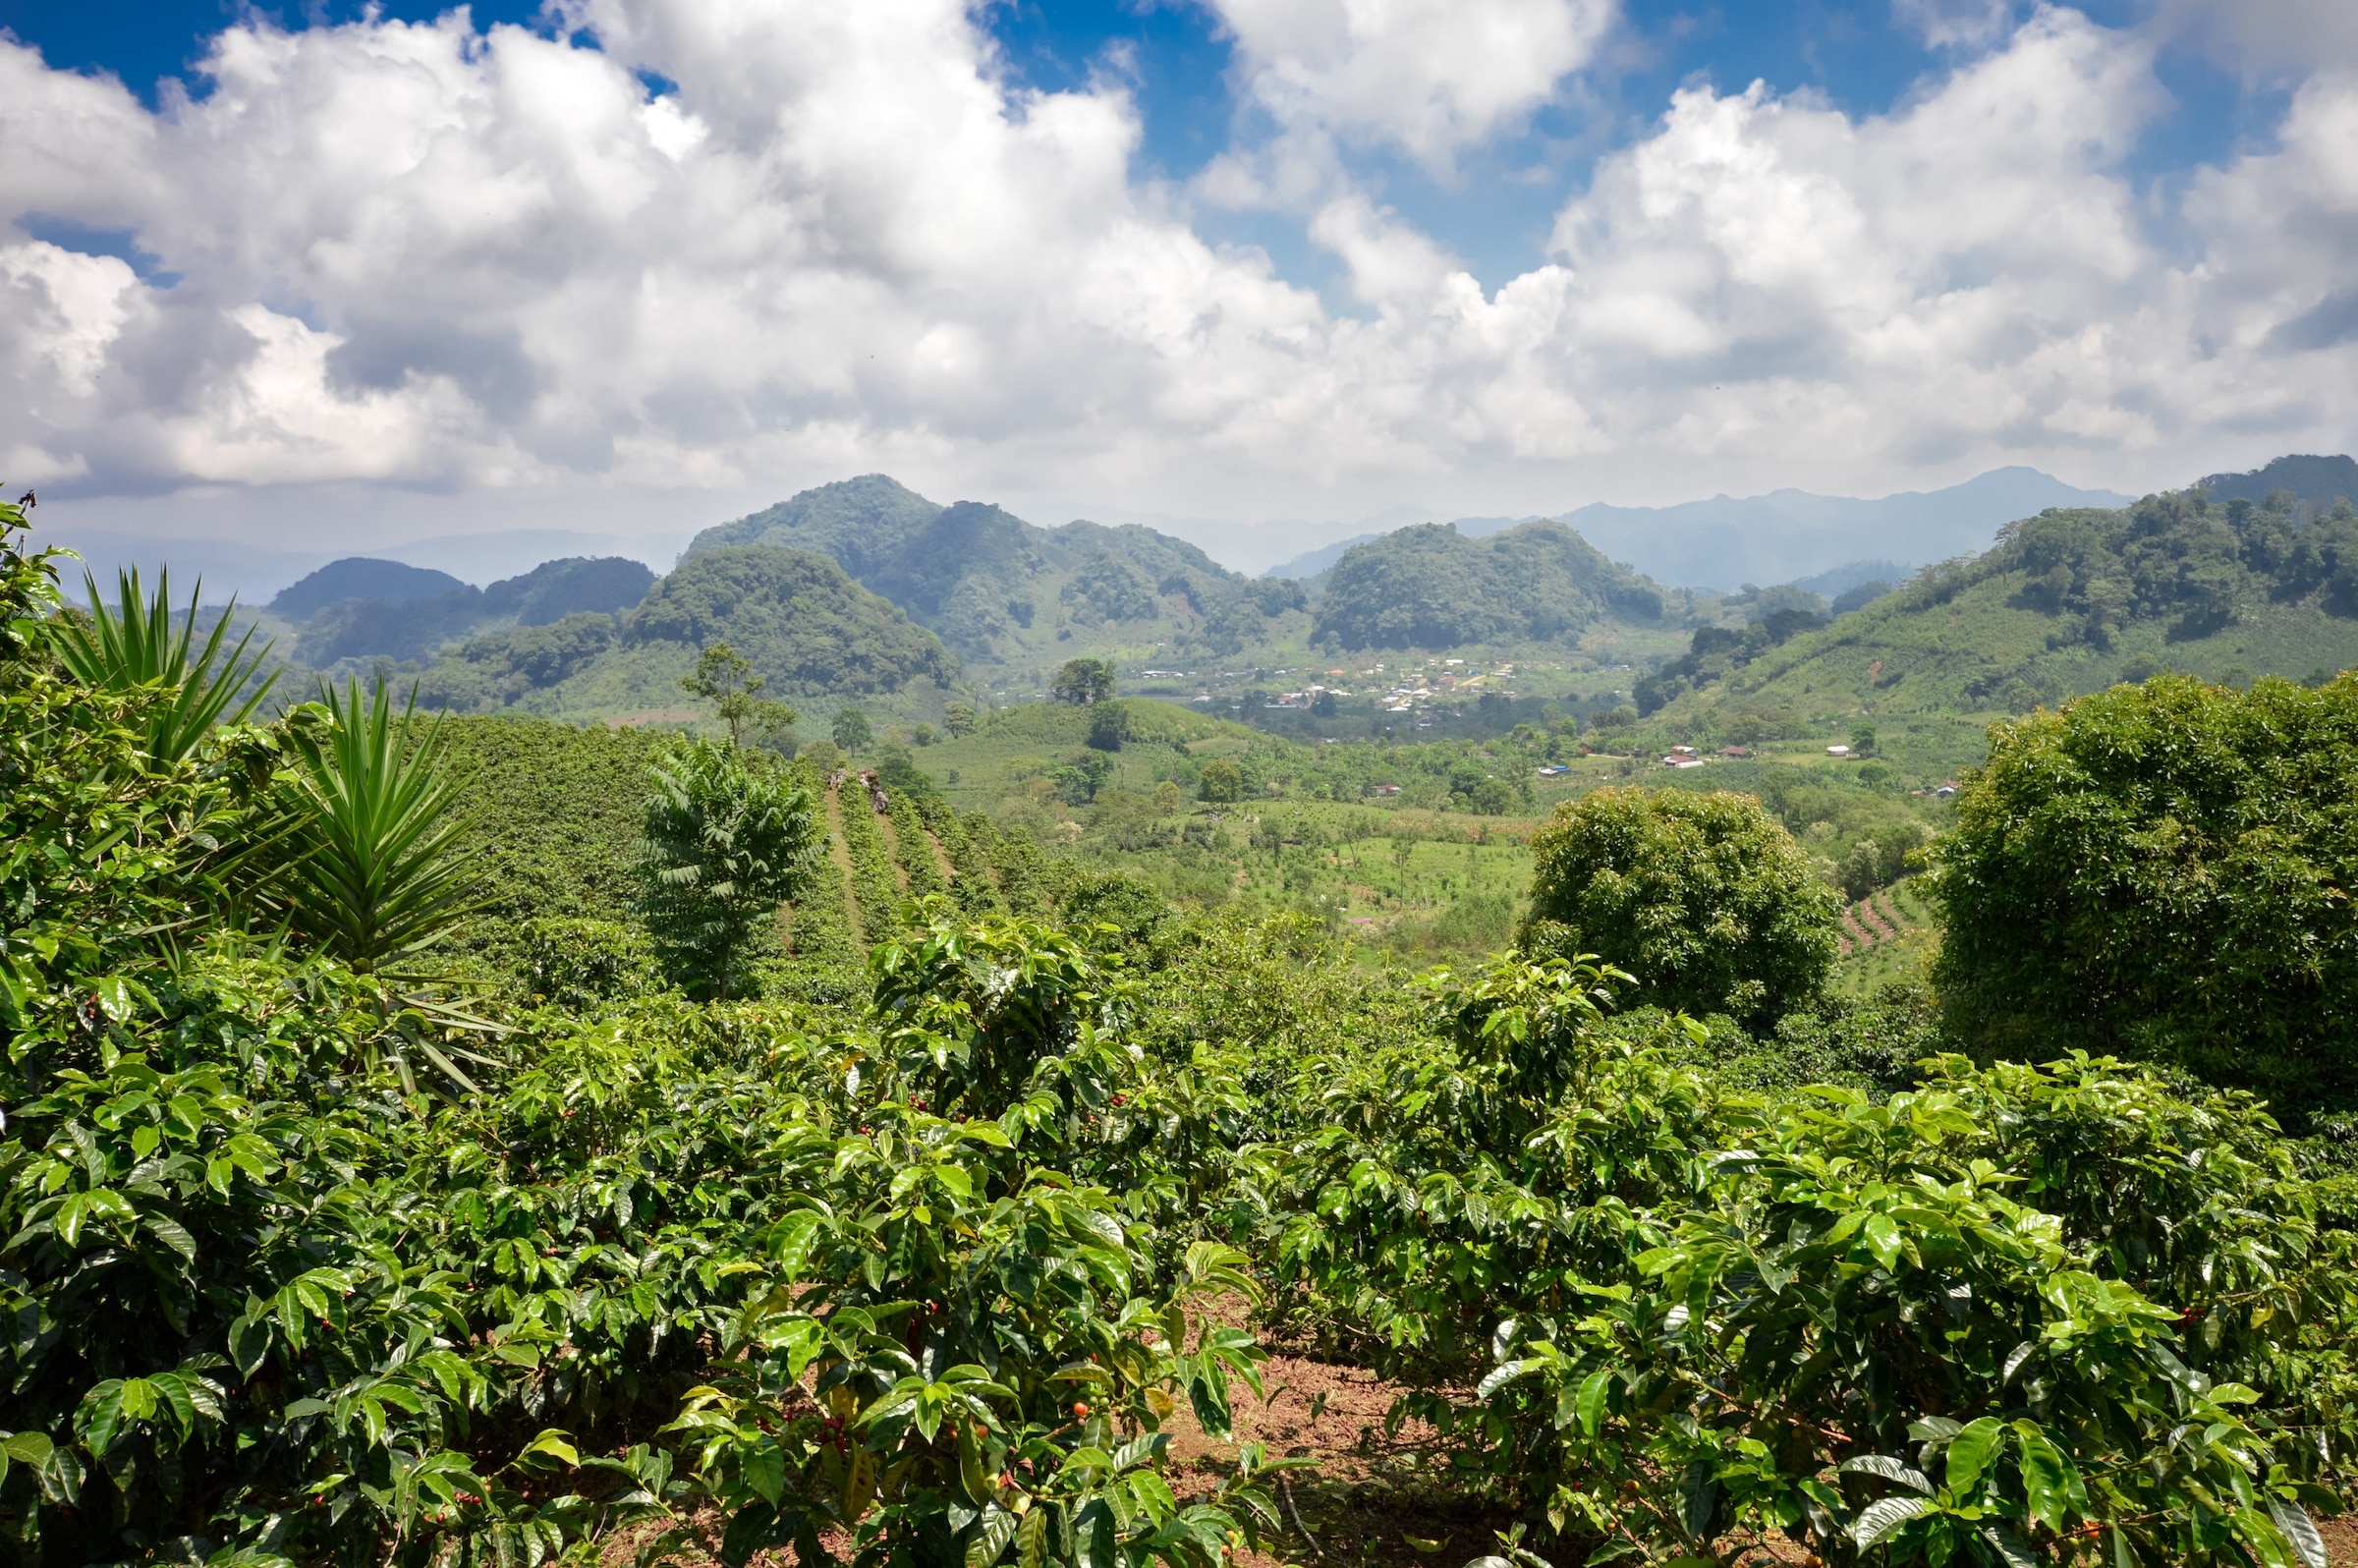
(1369, 1499)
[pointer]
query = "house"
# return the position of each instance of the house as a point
(1682, 762)
(1550, 773)
(1943, 791)
(1733, 750)
(1837, 751)
(1682, 750)
(1387, 789)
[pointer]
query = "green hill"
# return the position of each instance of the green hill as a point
(1007, 594)
(2066, 602)
(1434, 588)
(809, 629)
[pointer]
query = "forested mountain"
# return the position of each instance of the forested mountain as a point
(2314, 483)
(806, 626)
(360, 577)
(1432, 586)
(1003, 592)
(365, 610)
(2068, 601)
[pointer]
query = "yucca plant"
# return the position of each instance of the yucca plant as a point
(134, 643)
(369, 868)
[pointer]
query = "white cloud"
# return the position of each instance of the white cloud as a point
(1430, 76)
(411, 255)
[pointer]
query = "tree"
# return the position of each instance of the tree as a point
(960, 718)
(1222, 783)
(1110, 726)
(1862, 740)
(725, 678)
(1083, 682)
(1705, 898)
(2164, 870)
(725, 844)
(851, 729)
(1166, 798)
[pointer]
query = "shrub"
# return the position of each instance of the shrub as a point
(1704, 897)
(2161, 870)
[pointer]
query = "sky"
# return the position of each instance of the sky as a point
(331, 272)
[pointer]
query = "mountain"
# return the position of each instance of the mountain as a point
(360, 577)
(2317, 482)
(1004, 593)
(2067, 601)
(809, 629)
(1787, 535)
(1432, 586)
(359, 608)
(1313, 563)
(1837, 582)
(555, 589)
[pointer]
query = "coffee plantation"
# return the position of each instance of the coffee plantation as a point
(501, 1144)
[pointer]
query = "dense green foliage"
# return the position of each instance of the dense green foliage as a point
(803, 626)
(1702, 1314)
(796, 616)
(727, 840)
(1704, 897)
(2164, 870)
(1434, 588)
(942, 1261)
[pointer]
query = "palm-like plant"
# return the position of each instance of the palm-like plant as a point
(134, 646)
(370, 869)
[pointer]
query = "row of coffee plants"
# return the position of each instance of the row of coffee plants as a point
(308, 1260)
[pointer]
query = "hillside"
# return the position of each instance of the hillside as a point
(2067, 602)
(1009, 597)
(810, 631)
(363, 609)
(1431, 588)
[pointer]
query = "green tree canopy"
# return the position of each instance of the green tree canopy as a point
(1083, 681)
(2165, 870)
(725, 678)
(851, 729)
(1705, 898)
(726, 843)
(1222, 783)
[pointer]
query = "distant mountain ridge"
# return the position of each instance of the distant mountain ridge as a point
(360, 608)
(2067, 601)
(1789, 534)
(1003, 592)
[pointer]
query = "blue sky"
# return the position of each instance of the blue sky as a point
(1210, 259)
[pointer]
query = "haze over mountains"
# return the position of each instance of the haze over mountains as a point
(863, 591)
(1785, 535)
(1716, 544)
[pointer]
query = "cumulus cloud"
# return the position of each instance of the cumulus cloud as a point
(1429, 76)
(414, 255)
